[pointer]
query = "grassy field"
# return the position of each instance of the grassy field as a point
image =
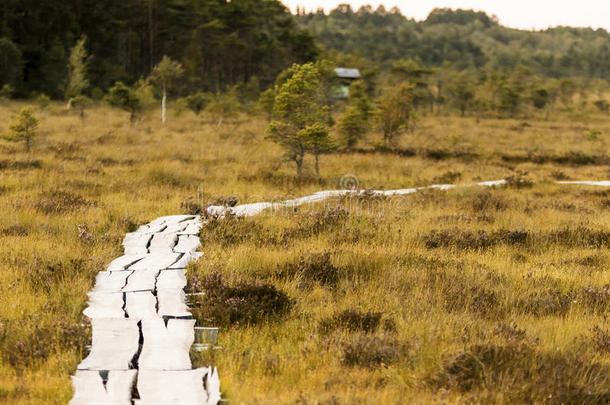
(465, 296)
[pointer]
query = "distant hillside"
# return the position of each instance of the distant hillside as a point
(464, 38)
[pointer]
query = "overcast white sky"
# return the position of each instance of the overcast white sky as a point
(525, 14)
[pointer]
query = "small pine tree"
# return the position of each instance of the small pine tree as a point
(358, 98)
(6, 92)
(394, 111)
(125, 98)
(166, 72)
(223, 106)
(462, 91)
(81, 103)
(23, 127)
(77, 70)
(352, 126)
(266, 102)
(318, 142)
(197, 102)
(301, 117)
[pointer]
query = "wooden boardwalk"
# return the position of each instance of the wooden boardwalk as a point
(142, 329)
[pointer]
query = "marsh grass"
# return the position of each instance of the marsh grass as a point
(469, 295)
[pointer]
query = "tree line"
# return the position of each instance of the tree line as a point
(219, 43)
(463, 38)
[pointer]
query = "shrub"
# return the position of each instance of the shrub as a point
(448, 177)
(58, 201)
(125, 98)
(243, 304)
(351, 320)
(601, 339)
(371, 352)
(552, 302)
(519, 180)
(313, 268)
(24, 127)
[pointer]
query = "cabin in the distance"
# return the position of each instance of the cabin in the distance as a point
(345, 76)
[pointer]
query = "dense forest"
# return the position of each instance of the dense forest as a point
(221, 43)
(464, 38)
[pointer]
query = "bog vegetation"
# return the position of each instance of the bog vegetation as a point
(471, 295)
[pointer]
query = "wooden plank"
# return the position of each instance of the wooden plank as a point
(140, 305)
(171, 279)
(174, 387)
(141, 280)
(122, 262)
(136, 243)
(193, 228)
(185, 259)
(91, 388)
(155, 261)
(166, 347)
(150, 228)
(111, 281)
(114, 344)
(105, 305)
(172, 302)
(187, 243)
(163, 243)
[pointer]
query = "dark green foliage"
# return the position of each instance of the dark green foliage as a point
(127, 38)
(242, 304)
(125, 98)
(10, 63)
(540, 98)
(462, 38)
(197, 102)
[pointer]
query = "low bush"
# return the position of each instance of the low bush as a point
(313, 268)
(59, 201)
(351, 320)
(242, 304)
(371, 352)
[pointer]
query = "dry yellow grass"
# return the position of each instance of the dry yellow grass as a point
(453, 294)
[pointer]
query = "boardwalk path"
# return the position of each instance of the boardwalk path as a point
(142, 328)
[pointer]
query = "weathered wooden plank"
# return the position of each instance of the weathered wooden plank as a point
(103, 388)
(122, 262)
(175, 228)
(151, 228)
(172, 219)
(166, 347)
(136, 243)
(172, 302)
(185, 259)
(141, 305)
(155, 261)
(114, 344)
(110, 281)
(171, 279)
(105, 305)
(176, 387)
(141, 280)
(163, 242)
(193, 228)
(187, 243)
